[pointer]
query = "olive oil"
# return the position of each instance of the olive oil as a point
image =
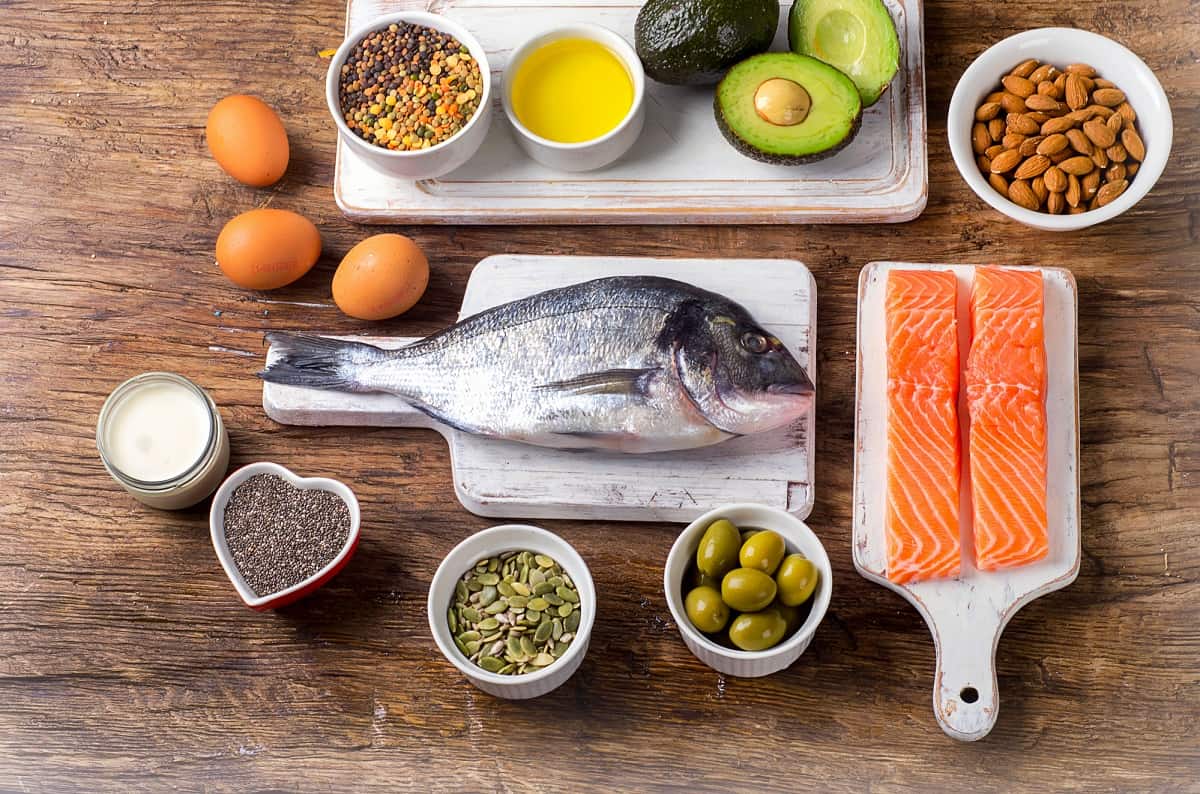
(572, 90)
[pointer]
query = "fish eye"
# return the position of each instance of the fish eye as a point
(755, 342)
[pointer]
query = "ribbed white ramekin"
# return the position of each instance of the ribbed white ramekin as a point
(489, 542)
(799, 538)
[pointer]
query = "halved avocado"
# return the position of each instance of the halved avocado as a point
(787, 109)
(693, 42)
(856, 36)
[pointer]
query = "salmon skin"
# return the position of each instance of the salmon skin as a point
(1006, 401)
(921, 520)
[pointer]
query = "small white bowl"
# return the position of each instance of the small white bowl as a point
(488, 543)
(799, 538)
(423, 163)
(1062, 46)
(216, 527)
(585, 155)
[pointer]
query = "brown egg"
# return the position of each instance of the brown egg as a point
(248, 140)
(381, 277)
(265, 249)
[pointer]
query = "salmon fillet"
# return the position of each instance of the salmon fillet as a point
(921, 520)
(1006, 401)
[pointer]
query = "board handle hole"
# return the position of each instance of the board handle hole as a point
(968, 694)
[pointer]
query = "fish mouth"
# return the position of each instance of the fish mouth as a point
(790, 388)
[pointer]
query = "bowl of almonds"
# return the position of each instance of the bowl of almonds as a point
(1059, 128)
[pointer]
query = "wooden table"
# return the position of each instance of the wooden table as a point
(126, 661)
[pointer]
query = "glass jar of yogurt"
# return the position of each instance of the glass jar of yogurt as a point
(161, 437)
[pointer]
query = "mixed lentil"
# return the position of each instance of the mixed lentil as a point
(280, 535)
(408, 87)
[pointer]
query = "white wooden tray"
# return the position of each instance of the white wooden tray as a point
(680, 171)
(501, 478)
(966, 615)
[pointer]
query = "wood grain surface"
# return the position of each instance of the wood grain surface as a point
(128, 663)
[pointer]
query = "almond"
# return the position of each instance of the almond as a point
(1052, 144)
(1038, 186)
(1099, 133)
(994, 97)
(1115, 122)
(980, 139)
(994, 150)
(1133, 144)
(1079, 142)
(1099, 110)
(1116, 153)
(1013, 140)
(1019, 192)
(1060, 124)
(1012, 103)
(1029, 147)
(984, 162)
(1032, 167)
(1116, 172)
(1083, 114)
(1043, 103)
(1102, 83)
(1018, 122)
(1060, 156)
(1015, 84)
(1081, 68)
(1007, 161)
(1055, 203)
(1132, 168)
(996, 129)
(1038, 116)
(1077, 96)
(1090, 184)
(1074, 192)
(1100, 158)
(1060, 81)
(998, 183)
(987, 111)
(1056, 179)
(1043, 73)
(1047, 88)
(1109, 192)
(1126, 110)
(1076, 210)
(1025, 68)
(1072, 165)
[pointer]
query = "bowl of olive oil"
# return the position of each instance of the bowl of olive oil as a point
(574, 97)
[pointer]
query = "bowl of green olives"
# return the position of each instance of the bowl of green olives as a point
(747, 586)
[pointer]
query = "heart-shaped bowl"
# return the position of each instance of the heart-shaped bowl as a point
(216, 523)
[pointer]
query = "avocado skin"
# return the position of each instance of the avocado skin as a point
(755, 153)
(693, 42)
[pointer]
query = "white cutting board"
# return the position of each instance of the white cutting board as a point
(966, 615)
(680, 170)
(508, 479)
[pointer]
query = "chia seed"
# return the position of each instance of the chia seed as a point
(280, 535)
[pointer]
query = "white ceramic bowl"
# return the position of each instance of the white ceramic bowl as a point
(585, 155)
(424, 163)
(216, 526)
(799, 538)
(489, 542)
(1062, 46)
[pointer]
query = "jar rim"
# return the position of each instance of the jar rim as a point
(187, 474)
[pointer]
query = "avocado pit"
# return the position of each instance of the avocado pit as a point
(782, 102)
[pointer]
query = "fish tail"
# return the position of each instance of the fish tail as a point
(316, 362)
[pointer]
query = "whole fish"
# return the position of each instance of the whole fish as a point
(627, 363)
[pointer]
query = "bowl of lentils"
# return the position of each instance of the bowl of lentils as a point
(410, 93)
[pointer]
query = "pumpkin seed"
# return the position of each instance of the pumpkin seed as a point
(487, 624)
(491, 664)
(489, 579)
(572, 622)
(517, 602)
(487, 595)
(467, 636)
(514, 647)
(536, 577)
(543, 561)
(506, 589)
(460, 590)
(520, 588)
(553, 600)
(543, 588)
(565, 610)
(527, 646)
(532, 616)
(472, 647)
(556, 629)
(556, 580)
(539, 603)
(496, 607)
(560, 648)
(452, 621)
(567, 594)
(543, 659)
(470, 614)
(543, 632)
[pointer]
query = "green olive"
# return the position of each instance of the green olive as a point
(749, 533)
(717, 553)
(699, 579)
(792, 616)
(757, 631)
(763, 551)
(706, 610)
(747, 589)
(797, 578)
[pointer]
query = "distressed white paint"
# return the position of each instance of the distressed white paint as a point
(499, 478)
(966, 615)
(681, 170)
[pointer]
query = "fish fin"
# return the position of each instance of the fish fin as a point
(609, 381)
(316, 362)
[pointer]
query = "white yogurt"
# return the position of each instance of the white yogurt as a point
(161, 437)
(157, 431)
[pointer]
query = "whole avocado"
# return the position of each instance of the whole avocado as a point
(693, 42)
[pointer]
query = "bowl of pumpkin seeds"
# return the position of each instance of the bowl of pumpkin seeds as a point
(512, 608)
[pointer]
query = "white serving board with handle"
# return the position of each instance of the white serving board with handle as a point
(966, 615)
(681, 170)
(508, 479)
